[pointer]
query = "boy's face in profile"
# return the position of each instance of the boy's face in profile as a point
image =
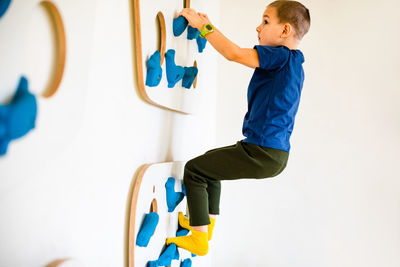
(269, 31)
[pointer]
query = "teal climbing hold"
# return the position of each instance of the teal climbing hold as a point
(170, 253)
(179, 25)
(182, 232)
(154, 70)
(201, 43)
(192, 33)
(4, 4)
(173, 198)
(18, 117)
(186, 263)
(147, 229)
(152, 264)
(189, 77)
(174, 73)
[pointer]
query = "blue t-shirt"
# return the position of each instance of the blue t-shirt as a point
(273, 97)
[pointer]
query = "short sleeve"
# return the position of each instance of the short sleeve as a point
(272, 57)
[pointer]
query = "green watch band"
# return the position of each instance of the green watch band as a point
(207, 28)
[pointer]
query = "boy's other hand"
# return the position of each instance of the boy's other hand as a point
(196, 20)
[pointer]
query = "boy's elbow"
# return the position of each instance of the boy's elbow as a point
(232, 55)
(230, 58)
(233, 58)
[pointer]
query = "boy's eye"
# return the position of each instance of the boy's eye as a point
(265, 21)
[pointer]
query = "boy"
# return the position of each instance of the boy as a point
(273, 99)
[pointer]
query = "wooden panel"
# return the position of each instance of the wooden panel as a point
(150, 185)
(58, 72)
(145, 16)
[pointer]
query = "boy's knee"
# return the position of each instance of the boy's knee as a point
(269, 172)
(189, 166)
(188, 170)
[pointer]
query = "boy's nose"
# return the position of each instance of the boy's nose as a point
(258, 29)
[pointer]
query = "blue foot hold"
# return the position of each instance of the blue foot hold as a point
(174, 73)
(201, 43)
(192, 33)
(152, 264)
(186, 263)
(182, 232)
(170, 253)
(154, 70)
(179, 25)
(190, 75)
(173, 198)
(18, 117)
(147, 229)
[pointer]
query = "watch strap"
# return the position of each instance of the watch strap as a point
(207, 28)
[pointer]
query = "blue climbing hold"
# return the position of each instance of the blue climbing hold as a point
(18, 117)
(201, 43)
(173, 198)
(182, 232)
(152, 264)
(192, 33)
(147, 229)
(179, 25)
(186, 263)
(4, 4)
(174, 73)
(154, 70)
(190, 75)
(170, 253)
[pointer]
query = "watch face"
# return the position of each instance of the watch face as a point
(208, 27)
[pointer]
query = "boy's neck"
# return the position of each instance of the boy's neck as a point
(291, 43)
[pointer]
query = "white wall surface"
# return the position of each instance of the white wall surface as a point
(337, 204)
(64, 187)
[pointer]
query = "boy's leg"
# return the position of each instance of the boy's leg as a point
(203, 174)
(202, 181)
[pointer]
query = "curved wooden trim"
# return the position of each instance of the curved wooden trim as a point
(58, 24)
(187, 3)
(56, 263)
(139, 59)
(163, 36)
(154, 206)
(135, 193)
(195, 80)
(137, 182)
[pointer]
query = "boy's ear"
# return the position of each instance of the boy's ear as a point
(287, 30)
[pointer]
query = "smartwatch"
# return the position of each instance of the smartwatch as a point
(207, 28)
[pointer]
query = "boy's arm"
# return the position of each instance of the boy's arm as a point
(231, 51)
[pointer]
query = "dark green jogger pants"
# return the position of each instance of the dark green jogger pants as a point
(203, 174)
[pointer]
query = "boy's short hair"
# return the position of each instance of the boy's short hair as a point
(294, 13)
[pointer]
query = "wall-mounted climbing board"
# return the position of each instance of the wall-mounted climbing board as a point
(153, 30)
(149, 195)
(47, 27)
(18, 117)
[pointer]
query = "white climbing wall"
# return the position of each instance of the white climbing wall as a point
(155, 177)
(186, 52)
(65, 187)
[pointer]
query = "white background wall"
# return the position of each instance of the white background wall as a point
(64, 187)
(338, 201)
